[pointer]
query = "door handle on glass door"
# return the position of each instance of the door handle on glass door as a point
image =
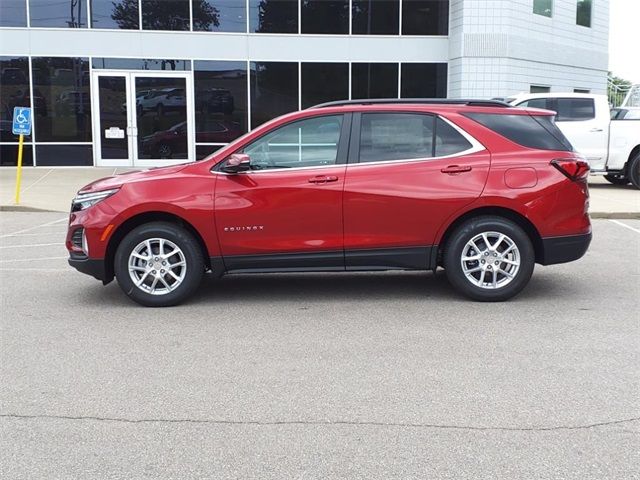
(456, 169)
(323, 179)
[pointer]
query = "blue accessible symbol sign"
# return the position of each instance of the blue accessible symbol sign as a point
(21, 121)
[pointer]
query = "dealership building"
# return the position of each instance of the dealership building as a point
(125, 83)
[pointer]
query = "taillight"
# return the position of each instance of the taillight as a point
(573, 169)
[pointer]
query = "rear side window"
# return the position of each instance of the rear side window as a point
(529, 131)
(407, 136)
(575, 109)
(536, 103)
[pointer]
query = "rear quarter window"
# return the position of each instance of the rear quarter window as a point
(538, 132)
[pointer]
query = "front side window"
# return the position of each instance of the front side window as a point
(583, 13)
(543, 7)
(312, 142)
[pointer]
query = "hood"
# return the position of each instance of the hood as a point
(117, 181)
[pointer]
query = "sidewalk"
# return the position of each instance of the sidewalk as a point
(53, 188)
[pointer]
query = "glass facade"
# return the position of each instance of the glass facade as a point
(45, 13)
(374, 80)
(200, 104)
(221, 107)
(324, 82)
(324, 17)
(376, 17)
(13, 13)
(122, 14)
(273, 16)
(229, 97)
(425, 17)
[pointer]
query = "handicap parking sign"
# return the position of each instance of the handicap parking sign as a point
(21, 121)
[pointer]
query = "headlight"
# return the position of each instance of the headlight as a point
(86, 200)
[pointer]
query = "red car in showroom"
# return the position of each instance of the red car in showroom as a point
(477, 187)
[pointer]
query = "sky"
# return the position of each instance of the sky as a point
(624, 40)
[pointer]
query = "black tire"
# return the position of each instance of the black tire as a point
(469, 230)
(633, 171)
(617, 179)
(189, 248)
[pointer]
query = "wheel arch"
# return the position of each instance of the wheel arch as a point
(635, 151)
(518, 218)
(140, 219)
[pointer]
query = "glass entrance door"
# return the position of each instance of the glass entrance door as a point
(144, 119)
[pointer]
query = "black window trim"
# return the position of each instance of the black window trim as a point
(341, 157)
(354, 144)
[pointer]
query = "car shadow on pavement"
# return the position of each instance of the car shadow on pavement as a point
(321, 287)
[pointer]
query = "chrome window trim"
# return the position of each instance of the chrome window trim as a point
(476, 147)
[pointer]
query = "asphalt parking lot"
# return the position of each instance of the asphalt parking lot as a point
(387, 375)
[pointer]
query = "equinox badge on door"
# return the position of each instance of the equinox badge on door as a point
(250, 228)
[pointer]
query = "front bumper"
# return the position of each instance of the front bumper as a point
(564, 249)
(90, 266)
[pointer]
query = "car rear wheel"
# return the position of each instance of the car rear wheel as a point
(634, 171)
(159, 264)
(617, 179)
(489, 258)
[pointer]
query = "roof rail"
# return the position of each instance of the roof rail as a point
(431, 101)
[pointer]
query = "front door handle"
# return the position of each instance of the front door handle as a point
(451, 169)
(323, 179)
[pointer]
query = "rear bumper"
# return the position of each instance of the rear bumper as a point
(90, 266)
(564, 249)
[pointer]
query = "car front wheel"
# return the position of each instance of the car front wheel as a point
(159, 264)
(489, 258)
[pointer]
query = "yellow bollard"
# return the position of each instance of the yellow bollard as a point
(19, 170)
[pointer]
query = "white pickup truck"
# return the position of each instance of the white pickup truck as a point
(612, 147)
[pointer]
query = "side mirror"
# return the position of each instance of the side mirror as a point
(236, 163)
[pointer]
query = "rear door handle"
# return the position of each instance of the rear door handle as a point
(594, 130)
(323, 179)
(456, 169)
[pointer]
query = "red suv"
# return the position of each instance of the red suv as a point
(477, 187)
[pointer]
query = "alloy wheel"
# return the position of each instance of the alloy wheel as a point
(157, 266)
(490, 260)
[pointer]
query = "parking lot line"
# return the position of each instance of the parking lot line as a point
(32, 245)
(625, 225)
(32, 259)
(35, 227)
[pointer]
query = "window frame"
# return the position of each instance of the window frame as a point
(356, 130)
(578, 24)
(542, 14)
(341, 155)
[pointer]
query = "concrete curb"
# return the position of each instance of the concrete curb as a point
(594, 215)
(25, 208)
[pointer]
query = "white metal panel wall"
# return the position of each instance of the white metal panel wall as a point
(499, 47)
